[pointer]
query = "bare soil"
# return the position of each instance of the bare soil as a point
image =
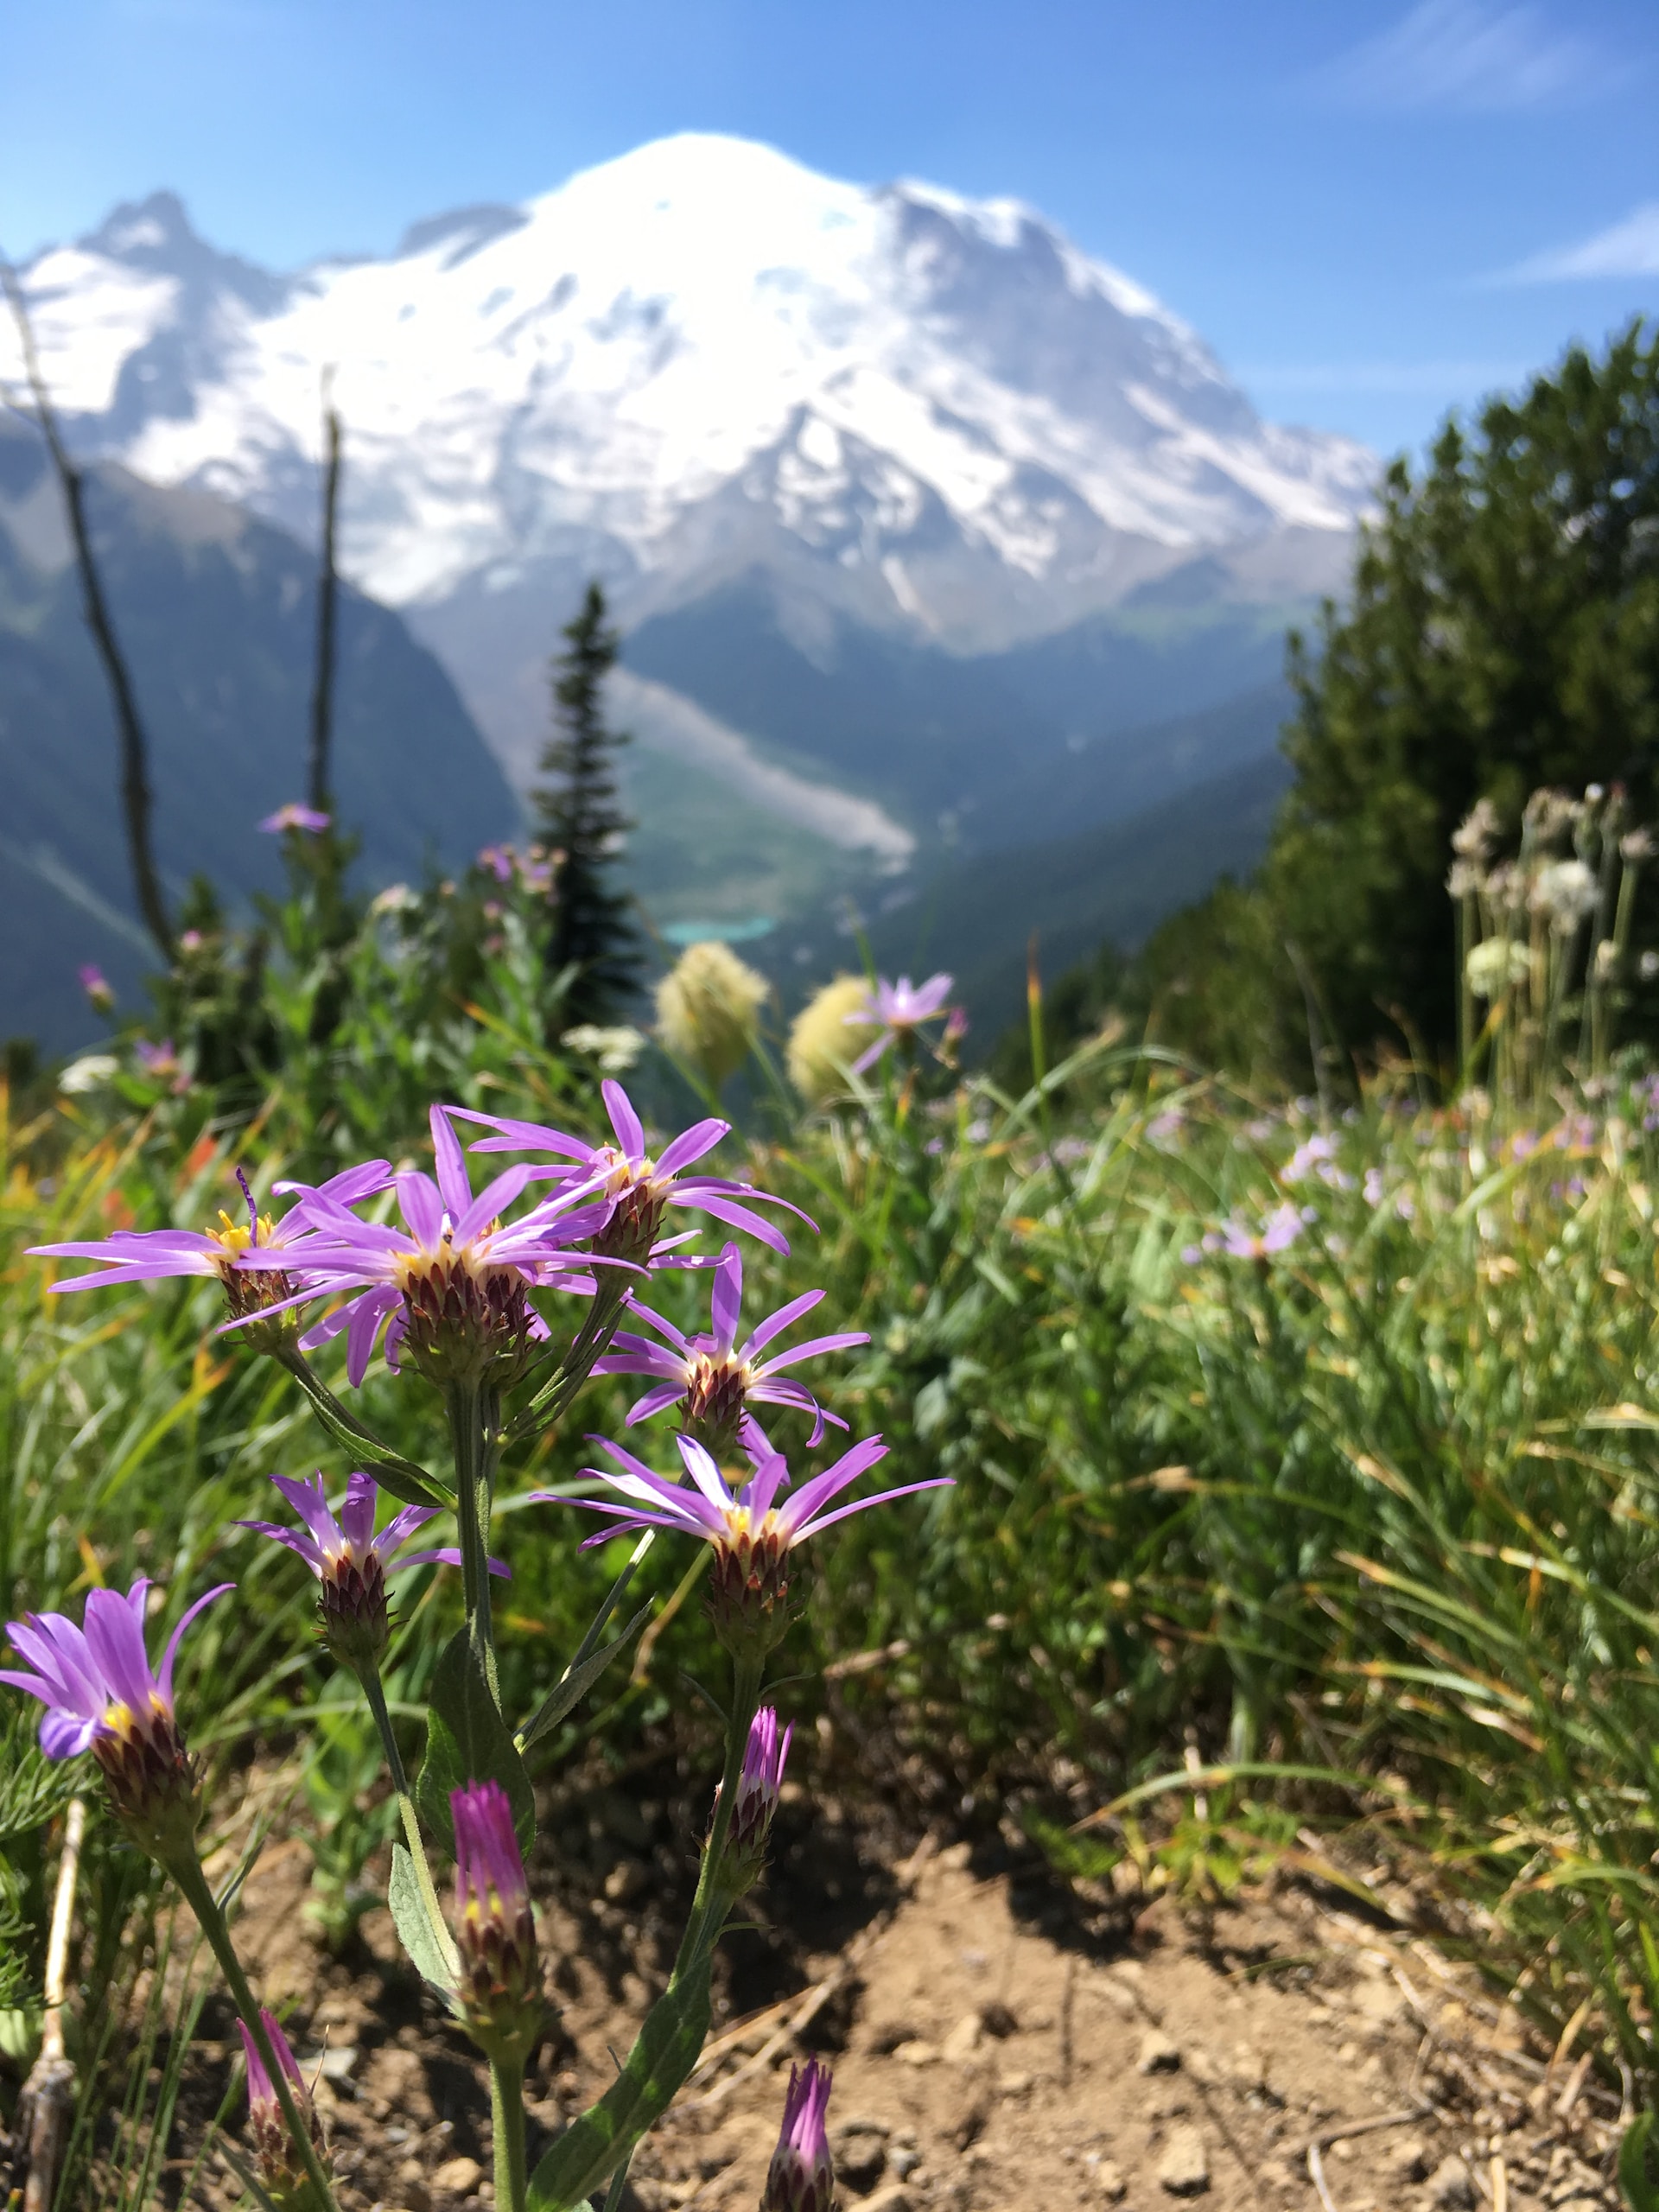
(998, 2042)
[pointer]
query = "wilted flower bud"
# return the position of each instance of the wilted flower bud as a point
(499, 1999)
(828, 1037)
(802, 2176)
(280, 2170)
(757, 1786)
(708, 1009)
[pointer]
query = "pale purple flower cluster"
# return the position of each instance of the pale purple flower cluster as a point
(1316, 1156)
(900, 1008)
(294, 816)
(1239, 1240)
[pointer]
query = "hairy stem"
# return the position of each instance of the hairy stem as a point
(552, 1400)
(507, 2125)
(375, 1692)
(474, 1433)
(702, 1925)
(187, 1873)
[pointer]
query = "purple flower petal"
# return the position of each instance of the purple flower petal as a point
(170, 1652)
(690, 1145)
(775, 1324)
(423, 1209)
(726, 1299)
(630, 1132)
(453, 1182)
(881, 1497)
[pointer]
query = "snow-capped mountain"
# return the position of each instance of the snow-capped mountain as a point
(923, 416)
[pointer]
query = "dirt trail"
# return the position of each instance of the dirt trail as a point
(984, 2061)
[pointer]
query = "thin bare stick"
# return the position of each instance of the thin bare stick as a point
(49, 2092)
(135, 799)
(1316, 2175)
(318, 778)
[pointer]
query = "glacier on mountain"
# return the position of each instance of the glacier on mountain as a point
(701, 362)
(701, 313)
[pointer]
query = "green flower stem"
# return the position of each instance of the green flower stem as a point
(507, 2126)
(375, 1692)
(604, 1314)
(475, 1433)
(193, 1883)
(708, 1905)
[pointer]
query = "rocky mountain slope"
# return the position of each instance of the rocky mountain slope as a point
(215, 612)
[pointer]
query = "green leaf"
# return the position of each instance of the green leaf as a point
(400, 1476)
(1639, 2192)
(467, 1740)
(574, 1684)
(414, 1929)
(594, 2144)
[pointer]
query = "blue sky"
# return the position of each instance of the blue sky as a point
(1374, 210)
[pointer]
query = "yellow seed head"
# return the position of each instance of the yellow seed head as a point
(708, 1010)
(823, 1043)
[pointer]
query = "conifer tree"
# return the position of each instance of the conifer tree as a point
(583, 825)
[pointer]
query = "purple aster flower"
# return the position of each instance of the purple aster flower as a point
(802, 2176)
(901, 1007)
(280, 2170)
(253, 1287)
(499, 1998)
(758, 1784)
(454, 1280)
(752, 1532)
(161, 1063)
(351, 1562)
(498, 860)
(102, 1695)
(1280, 1229)
(96, 984)
(711, 1375)
(639, 1187)
(295, 817)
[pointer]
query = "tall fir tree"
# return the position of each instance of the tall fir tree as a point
(1502, 633)
(583, 823)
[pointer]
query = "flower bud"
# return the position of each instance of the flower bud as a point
(499, 1998)
(758, 1785)
(801, 2177)
(96, 984)
(280, 2170)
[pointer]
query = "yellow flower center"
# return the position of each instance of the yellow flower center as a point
(237, 1236)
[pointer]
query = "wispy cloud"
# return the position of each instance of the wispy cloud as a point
(1626, 249)
(1468, 56)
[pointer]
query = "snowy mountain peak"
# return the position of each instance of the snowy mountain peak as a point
(703, 359)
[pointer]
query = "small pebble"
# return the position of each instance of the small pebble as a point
(460, 2177)
(1158, 2054)
(1451, 2187)
(1184, 2169)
